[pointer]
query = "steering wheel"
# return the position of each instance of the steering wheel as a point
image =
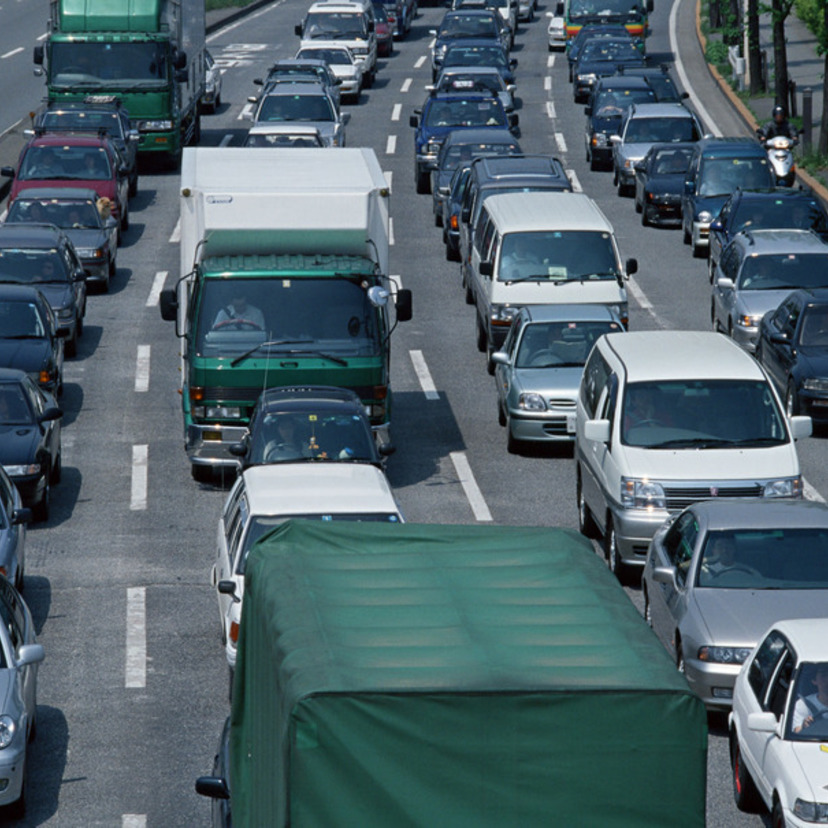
(238, 322)
(73, 70)
(648, 421)
(736, 568)
(544, 359)
(281, 451)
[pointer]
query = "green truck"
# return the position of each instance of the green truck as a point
(149, 54)
(284, 262)
(451, 677)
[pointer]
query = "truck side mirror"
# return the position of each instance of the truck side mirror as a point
(297, 29)
(559, 9)
(631, 266)
(486, 268)
(180, 61)
(404, 305)
(38, 55)
(168, 303)
(414, 120)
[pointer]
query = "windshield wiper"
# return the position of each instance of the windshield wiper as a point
(271, 344)
(537, 277)
(694, 442)
(331, 357)
(597, 274)
(22, 336)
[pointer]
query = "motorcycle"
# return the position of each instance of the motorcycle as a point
(780, 157)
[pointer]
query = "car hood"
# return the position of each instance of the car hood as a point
(814, 361)
(599, 292)
(607, 125)
(29, 355)
(86, 237)
(105, 189)
(666, 184)
(759, 302)
(738, 617)
(58, 294)
(340, 70)
(605, 67)
(715, 466)
(812, 759)
(560, 383)
(17, 443)
(712, 203)
(633, 151)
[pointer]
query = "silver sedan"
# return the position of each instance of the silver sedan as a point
(719, 573)
(19, 657)
(538, 371)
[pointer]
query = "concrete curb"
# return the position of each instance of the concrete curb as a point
(804, 178)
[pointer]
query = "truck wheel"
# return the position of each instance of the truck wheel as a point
(614, 560)
(423, 183)
(744, 789)
(586, 523)
(481, 335)
(201, 474)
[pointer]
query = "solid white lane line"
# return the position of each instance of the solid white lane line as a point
(473, 494)
(389, 177)
(391, 145)
(810, 492)
(157, 287)
(13, 52)
(43, 36)
(396, 112)
(175, 236)
(136, 637)
(134, 821)
(390, 231)
(138, 498)
(246, 110)
(406, 85)
(645, 304)
(550, 110)
(226, 140)
(547, 83)
(685, 81)
(423, 375)
(576, 183)
(561, 142)
(142, 369)
(420, 61)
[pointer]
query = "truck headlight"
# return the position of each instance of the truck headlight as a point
(155, 126)
(787, 487)
(502, 314)
(811, 811)
(642, 494)
(724, 655)
(223, 412)
(8, 727)
(531, 402)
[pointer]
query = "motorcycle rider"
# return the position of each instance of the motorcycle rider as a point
(779, 125)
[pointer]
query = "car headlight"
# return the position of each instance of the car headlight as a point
(432, 147)
(747, 321)
(787, 487)
(8, 727)
(724, 655)
(531, 402)
(223, 412)
(642, 494)
(587, 78)
(65, 314)
(439, 52)
(815, 384)
(154, 126)
(502, 314)
(811, 811)
(629, 163)
(90, 252)
(704, 216)
(23, 470)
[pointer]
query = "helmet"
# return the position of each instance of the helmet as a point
(779, 113)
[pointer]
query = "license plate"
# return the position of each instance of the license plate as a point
(570, 423)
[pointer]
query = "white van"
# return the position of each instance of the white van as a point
(668, 418)
(541, 248)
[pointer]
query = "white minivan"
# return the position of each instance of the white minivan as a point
(668, 418)
(541, 248)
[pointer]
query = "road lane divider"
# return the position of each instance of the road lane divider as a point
(142, 369)
(473, 494)
(423, 375)
(391, 145)
(138, 495)
(396, 112)
(136, 638)
(157, 286)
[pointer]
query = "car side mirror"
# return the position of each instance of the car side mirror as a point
(598, 431)
(685, 96)
(23, 515)
(386, 449)
(38, 55)
(764, 722)
(615, 139)
(513, 63)
(689, 187)
(665, 575)
(237, 449)
(717, 225)
(80, 275)
(414, 121)
(346, 118)
(465, 215)
(228, 588)
(779, 338)
(724, 283)
(559, 9)
(514, 121)
(486, 268)
(8, 172)
(257, 82)
(50, 413)
(297, 29)
(168, 304)
(650, 6)
(215, 787)
(30, 654)
(801, 426)
(111, 223)
(500, 358)
(587, 110)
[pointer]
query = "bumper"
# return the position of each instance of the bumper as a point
(98, 269)
(581, 89)
(426, 162)
(12, 770)
(31, 488)
(209, 445)
(746, 337)
(600, 153)
(712, 683)
(814, 406)
(626, 176)
(634, 529)
(663, 212)
(350, 86)
(543, 426)
(701, 233)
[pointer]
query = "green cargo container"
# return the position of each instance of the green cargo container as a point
(457, 676)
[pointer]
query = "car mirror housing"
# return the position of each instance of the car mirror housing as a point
(801, 426)
(716, 224)
(723, 283)
(30, 654)
(598, 431)
(486, 268)
(764, 722)
(500, 358)
(664, 575)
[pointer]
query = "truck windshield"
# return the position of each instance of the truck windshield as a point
(336, 25)
(559, 256)
(280, 316)
(605, 8)
(107, 64)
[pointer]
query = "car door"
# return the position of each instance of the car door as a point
(723, 297)
(229, 531)
(600, 481)
(505, 374)
(777, 355)
(49, 430)
(668, 602)
(12, 535)
(17, 628)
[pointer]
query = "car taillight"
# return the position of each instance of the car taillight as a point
(234, 632)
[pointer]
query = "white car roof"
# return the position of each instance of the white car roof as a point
(323, 488)
(809, 636)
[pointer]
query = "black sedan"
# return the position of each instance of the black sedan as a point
(659, 183)
(601, 57)
(793, 348)
(587, 33)
(309, 424)
(29, 338)
(30, 449)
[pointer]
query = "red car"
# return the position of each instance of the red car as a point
(74, 160)
(384, 30)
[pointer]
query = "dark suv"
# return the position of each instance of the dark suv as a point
(717, 168)
(42, 255)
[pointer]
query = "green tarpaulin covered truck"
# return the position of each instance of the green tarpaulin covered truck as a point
(456, 676)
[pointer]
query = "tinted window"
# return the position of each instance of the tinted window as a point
(559, 344)
(557, 256)
(720, 176)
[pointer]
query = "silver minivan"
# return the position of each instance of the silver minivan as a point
(668, 418)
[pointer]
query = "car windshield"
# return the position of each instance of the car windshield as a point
(260, 525)
(814, 330)
(109, 64)
(808, 719)
(559, 344)
(660, 130)
(701, 414)
(79, 121)
(464, 153)
(292, 435)
(14, 409)
(615, 101)
(333, 25)
(65, 163)
(779, 213)
(66, 213)
(270, 318)
(601, 49)
(558, 256)
(296, 108)
(32, 266)
(604, 8)
(476, 56)
(476, 82)
(282, 139)
(664, 88)
(780, 271)
(790, 558)
(461, 25)
(461, 113)
(333, 57)
(671, 161)
(720, 176)
(21, 320)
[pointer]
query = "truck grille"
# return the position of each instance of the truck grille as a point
(217, 393)
(679, 497)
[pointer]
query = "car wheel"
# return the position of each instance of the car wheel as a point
(685, 236)
(423, 183)
(586, 523)
(202, 474)
(713, 321)
(791, 401)
(638, 205)
(467, 287)
(613, 556)
(71, 346)
(113, 269)
(699, 251)
(593, 163)
(57, 469)
(490, 366)
(614, 176)
(501, 413)
(452, 254)
(648, 613)
(512, 444)
(40, 512)
(438, 220)
(481, 334)
(645, 221)
(230, 685)
(778, 815)
(125, 218)
(133, 181)
(744, 789)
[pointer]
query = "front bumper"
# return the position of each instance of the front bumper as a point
(634, 529)
(426, 162)
(98, 269)
(542, 426)
(746, 337)
(813, 405)
(209, 445)
(711, 682)
(12, 770)
(661, 210)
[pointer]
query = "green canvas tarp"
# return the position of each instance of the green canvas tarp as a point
(457, 676)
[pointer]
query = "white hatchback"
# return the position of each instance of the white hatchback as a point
(779, 725)
(265, 496)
